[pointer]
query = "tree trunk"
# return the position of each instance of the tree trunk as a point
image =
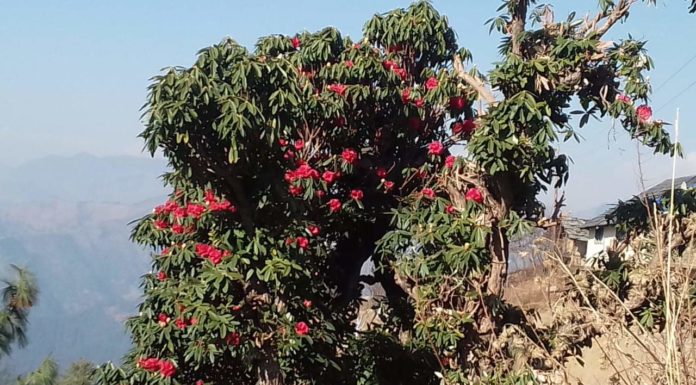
(499, 262)
(269, 372)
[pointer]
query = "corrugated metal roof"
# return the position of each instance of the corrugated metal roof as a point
(683, 182)
(574, 228)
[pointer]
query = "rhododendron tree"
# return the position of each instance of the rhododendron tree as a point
(293, 164)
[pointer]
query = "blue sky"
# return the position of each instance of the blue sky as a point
(73, 74)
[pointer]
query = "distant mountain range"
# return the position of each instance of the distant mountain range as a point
(66, 219)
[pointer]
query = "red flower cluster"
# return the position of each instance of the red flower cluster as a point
(295, 42)
(349, 63)
(388, 185)
(466, 127)
(450, 209)
(428, 193)
(161, 224)
(473, 194)
(302, 242)
(215, 255)
(356, 194)
(301, 328)
(162, 276)
(165, 367)
(329, 176)
(431, 83)
(644, 113)
(307, 303)
(390, 65)
(624, 99)
(449, 161)
(305, 171)
(195, 210)
(406, 95)
(436, 148)
(350, 156)
(313, 230)
(457, 104)
(166, 208)
(340, 89)
(233, 339)
(381, 172)
(163, 320)
(335, 205)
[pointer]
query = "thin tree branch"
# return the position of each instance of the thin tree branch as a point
(484, 92)
(617, 13)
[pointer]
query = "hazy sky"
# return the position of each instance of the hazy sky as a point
(73, 74)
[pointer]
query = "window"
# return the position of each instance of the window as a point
(599, 233)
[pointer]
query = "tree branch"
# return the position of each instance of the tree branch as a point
(617, 13)
(478, 84)
(517, 25)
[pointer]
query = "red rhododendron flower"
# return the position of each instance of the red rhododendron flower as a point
(320, 194)
(307, 303)
(149, 364)
(390, 65)
(449, 161)
(166, 251)
(180, 323)
(388, 185)
(305, 171)
(163, 319)
(644, 113)
(431, 83)
(282, 142)
(340, 121)
(428, 193)
(473, 194)
(420, 103)
(299, 144)
(338, 88)
(301, 328)
(223, 205)
(381, 172)
(435, 148)
(195, 210)
(356, 194)
(289, 155)
(335, 205)
(295, 42)
(233, 339)
(401, 73)
(236, 307)
(457, 104)
(289, 241)
(178, 229)
(200, 382)
(349, 63)
(329, 177)
(302, 243)
(180, 213)
(406, 95)
(167, 369)
(314, 230)
(624, 99)
(193, 321)
(296, 190)
(450, 209)
(350, 156)
(162, 276)
(467, 127)
(161, 224)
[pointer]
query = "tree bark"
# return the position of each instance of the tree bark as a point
(269, 372)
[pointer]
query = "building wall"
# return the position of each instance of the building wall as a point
(595, 246)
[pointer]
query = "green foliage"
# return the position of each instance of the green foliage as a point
(45, 374)
(18, 296)
(79, 373)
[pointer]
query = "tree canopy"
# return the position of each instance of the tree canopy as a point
(294, 163)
